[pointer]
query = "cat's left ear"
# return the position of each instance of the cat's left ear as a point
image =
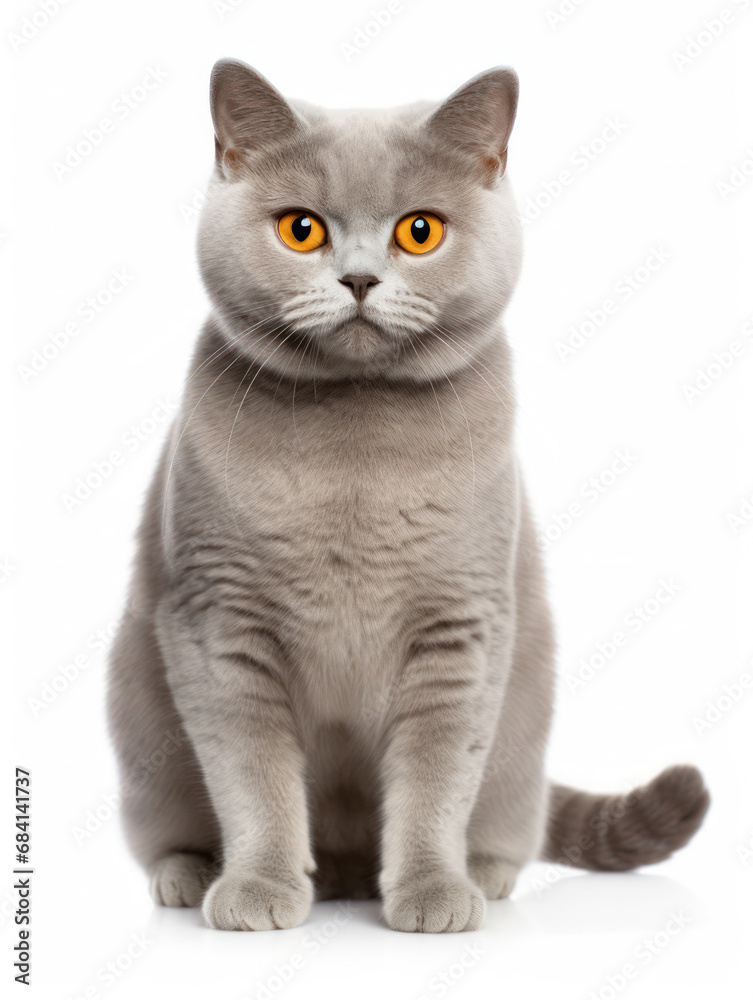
(247, 111)
(477, 120)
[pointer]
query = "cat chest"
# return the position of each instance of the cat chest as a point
(352, 515)
(327, 555)
(344, 543)
(342, 554)
(350, 588)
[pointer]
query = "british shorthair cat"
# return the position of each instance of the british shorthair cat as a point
(337, 614)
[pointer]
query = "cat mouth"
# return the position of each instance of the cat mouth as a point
(359, 324)
(362, 340)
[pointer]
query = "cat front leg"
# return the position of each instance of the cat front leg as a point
(441, 732)
(228, 684)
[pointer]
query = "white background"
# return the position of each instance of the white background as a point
(684, 127)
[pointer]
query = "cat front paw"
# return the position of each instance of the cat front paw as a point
(494, 876)
(434, 904)
(180, 879)
(257, 903)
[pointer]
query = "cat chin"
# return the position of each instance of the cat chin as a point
(361, 348)
(360, 339)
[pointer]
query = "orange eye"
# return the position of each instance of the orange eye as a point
(301, 231)
(419, 232)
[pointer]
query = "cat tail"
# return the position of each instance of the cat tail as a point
(614, 833)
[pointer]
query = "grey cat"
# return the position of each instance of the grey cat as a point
(335, 676)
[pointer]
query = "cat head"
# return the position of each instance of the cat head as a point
(359, 242)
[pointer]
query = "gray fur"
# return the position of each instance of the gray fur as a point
(337, 610)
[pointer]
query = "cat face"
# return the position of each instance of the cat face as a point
(358, 243)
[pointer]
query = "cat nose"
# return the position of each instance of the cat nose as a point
(359, 284)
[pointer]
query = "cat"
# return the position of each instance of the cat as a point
(335, 676)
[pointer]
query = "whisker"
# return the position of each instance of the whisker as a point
(470, 440)
(240, 407)
(230, 344)
(434, 391)
(477, 372)
(456, 340)
(316, 362)
(516, 396)
(180, 438)
(295, 383)
(272, 333)
(185, 426)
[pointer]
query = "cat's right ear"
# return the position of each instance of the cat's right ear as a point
(248, 113)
